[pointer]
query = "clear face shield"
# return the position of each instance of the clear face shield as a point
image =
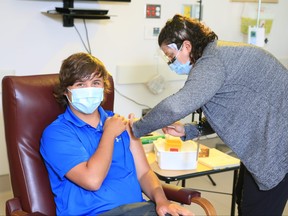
(174, 64)
(166, 58)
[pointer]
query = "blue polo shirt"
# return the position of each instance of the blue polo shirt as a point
(69, 141)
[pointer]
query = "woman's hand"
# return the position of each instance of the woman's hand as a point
(132, 119)
(176, 129)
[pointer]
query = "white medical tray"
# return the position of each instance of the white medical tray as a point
(185, 159)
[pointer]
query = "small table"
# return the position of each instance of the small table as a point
(176, 175)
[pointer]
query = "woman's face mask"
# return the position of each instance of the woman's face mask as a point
(176, 66)
(86, 100)
(179, 68)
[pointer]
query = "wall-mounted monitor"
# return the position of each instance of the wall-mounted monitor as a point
(107, 0)
(115, 0)
(70, 3)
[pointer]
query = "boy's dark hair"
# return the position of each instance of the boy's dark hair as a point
(79, 67)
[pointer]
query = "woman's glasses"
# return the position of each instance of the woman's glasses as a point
(170, 60)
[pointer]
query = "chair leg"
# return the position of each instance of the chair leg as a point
(212, 181)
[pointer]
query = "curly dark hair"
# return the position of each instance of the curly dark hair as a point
(181, 28)
(79, 67)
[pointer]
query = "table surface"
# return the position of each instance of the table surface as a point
(201, 170)
(175, 175)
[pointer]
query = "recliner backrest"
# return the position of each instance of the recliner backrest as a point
(28, 107)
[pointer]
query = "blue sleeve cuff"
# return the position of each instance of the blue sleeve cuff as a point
(191, 132)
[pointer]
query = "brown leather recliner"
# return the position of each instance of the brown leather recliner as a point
(28, 107)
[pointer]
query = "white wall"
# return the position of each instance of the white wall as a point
(34, 43)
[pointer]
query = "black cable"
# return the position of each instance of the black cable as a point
(87, 36)
(88, 50)
(200, 10)
(131, 99)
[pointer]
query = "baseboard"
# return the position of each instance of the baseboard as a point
(5, 184)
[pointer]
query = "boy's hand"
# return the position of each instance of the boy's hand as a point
(115, 125)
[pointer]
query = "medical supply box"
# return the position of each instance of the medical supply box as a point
(185, 158)
(147, 142)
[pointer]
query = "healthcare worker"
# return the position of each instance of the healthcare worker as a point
(243, 92)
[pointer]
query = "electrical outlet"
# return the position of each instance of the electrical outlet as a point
(151, 32)
(145, 111)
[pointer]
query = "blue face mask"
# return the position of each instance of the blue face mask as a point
(86, 100)
(179, 68)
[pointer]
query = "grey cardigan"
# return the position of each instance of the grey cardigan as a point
(243, 92)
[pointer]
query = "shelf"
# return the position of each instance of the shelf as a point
(263, 1)
(88, 11)
(69, 13)
(68, 18)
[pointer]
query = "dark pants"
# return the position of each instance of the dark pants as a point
(135, 209)
(254, 202)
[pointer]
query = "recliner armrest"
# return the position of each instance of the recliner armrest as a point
(187, 196)
(180, 194)
(14, 208)
(13, 205)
